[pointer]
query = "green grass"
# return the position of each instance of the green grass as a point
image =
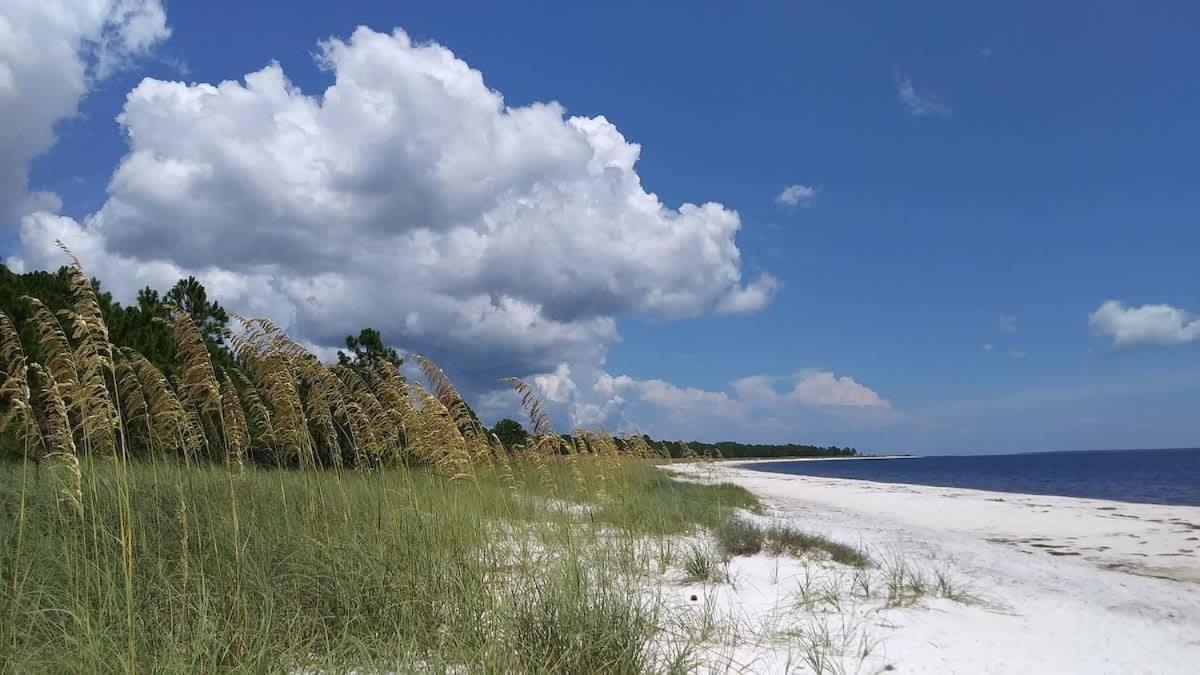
(563, 623)
(904, 585)
(168, 568)
(652, 502)
(738, 536)
(782, 539)
(701, 564)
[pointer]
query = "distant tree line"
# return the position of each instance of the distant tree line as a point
(512, 435)
(734, 450)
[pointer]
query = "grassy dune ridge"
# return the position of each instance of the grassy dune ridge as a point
(273, 570)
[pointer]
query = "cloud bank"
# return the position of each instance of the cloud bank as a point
(758, 407)
(407, 196)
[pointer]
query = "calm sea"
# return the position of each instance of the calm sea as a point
(1146, 476)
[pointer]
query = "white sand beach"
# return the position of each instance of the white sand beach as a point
(1056, 584)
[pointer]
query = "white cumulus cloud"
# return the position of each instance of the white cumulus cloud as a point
(1145, 325)
(815, 388)
(556, 387)
(689, 403)
(794, 195)
(751, 297)
(755, 404)
(406, 196)
(51, 52)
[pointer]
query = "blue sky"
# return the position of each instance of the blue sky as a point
(974, 183)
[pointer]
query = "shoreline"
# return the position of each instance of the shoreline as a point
(1049, 495)
(764, 460)
(1160, 540)
(1069, 585)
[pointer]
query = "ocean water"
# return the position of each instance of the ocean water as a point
(1145, 476)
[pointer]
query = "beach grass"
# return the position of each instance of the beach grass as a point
(162, 566)
(241, 505)
(739, 536)
(702, 564)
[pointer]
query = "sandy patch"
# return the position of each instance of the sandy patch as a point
(1062, 585)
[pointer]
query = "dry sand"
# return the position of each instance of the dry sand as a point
(1060, 585)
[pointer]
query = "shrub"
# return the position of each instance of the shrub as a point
(782, 539)
(567, 624)
(739, 537)
(701, 564)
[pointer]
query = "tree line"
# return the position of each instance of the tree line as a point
(512, 434)
(144, 326)
(80, 371)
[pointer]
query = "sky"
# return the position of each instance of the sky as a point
(931, 228)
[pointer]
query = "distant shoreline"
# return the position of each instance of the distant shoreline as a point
(1170, 527)
(1039, 567)
(1138, 477)
(761, 460)
(1006, 453)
